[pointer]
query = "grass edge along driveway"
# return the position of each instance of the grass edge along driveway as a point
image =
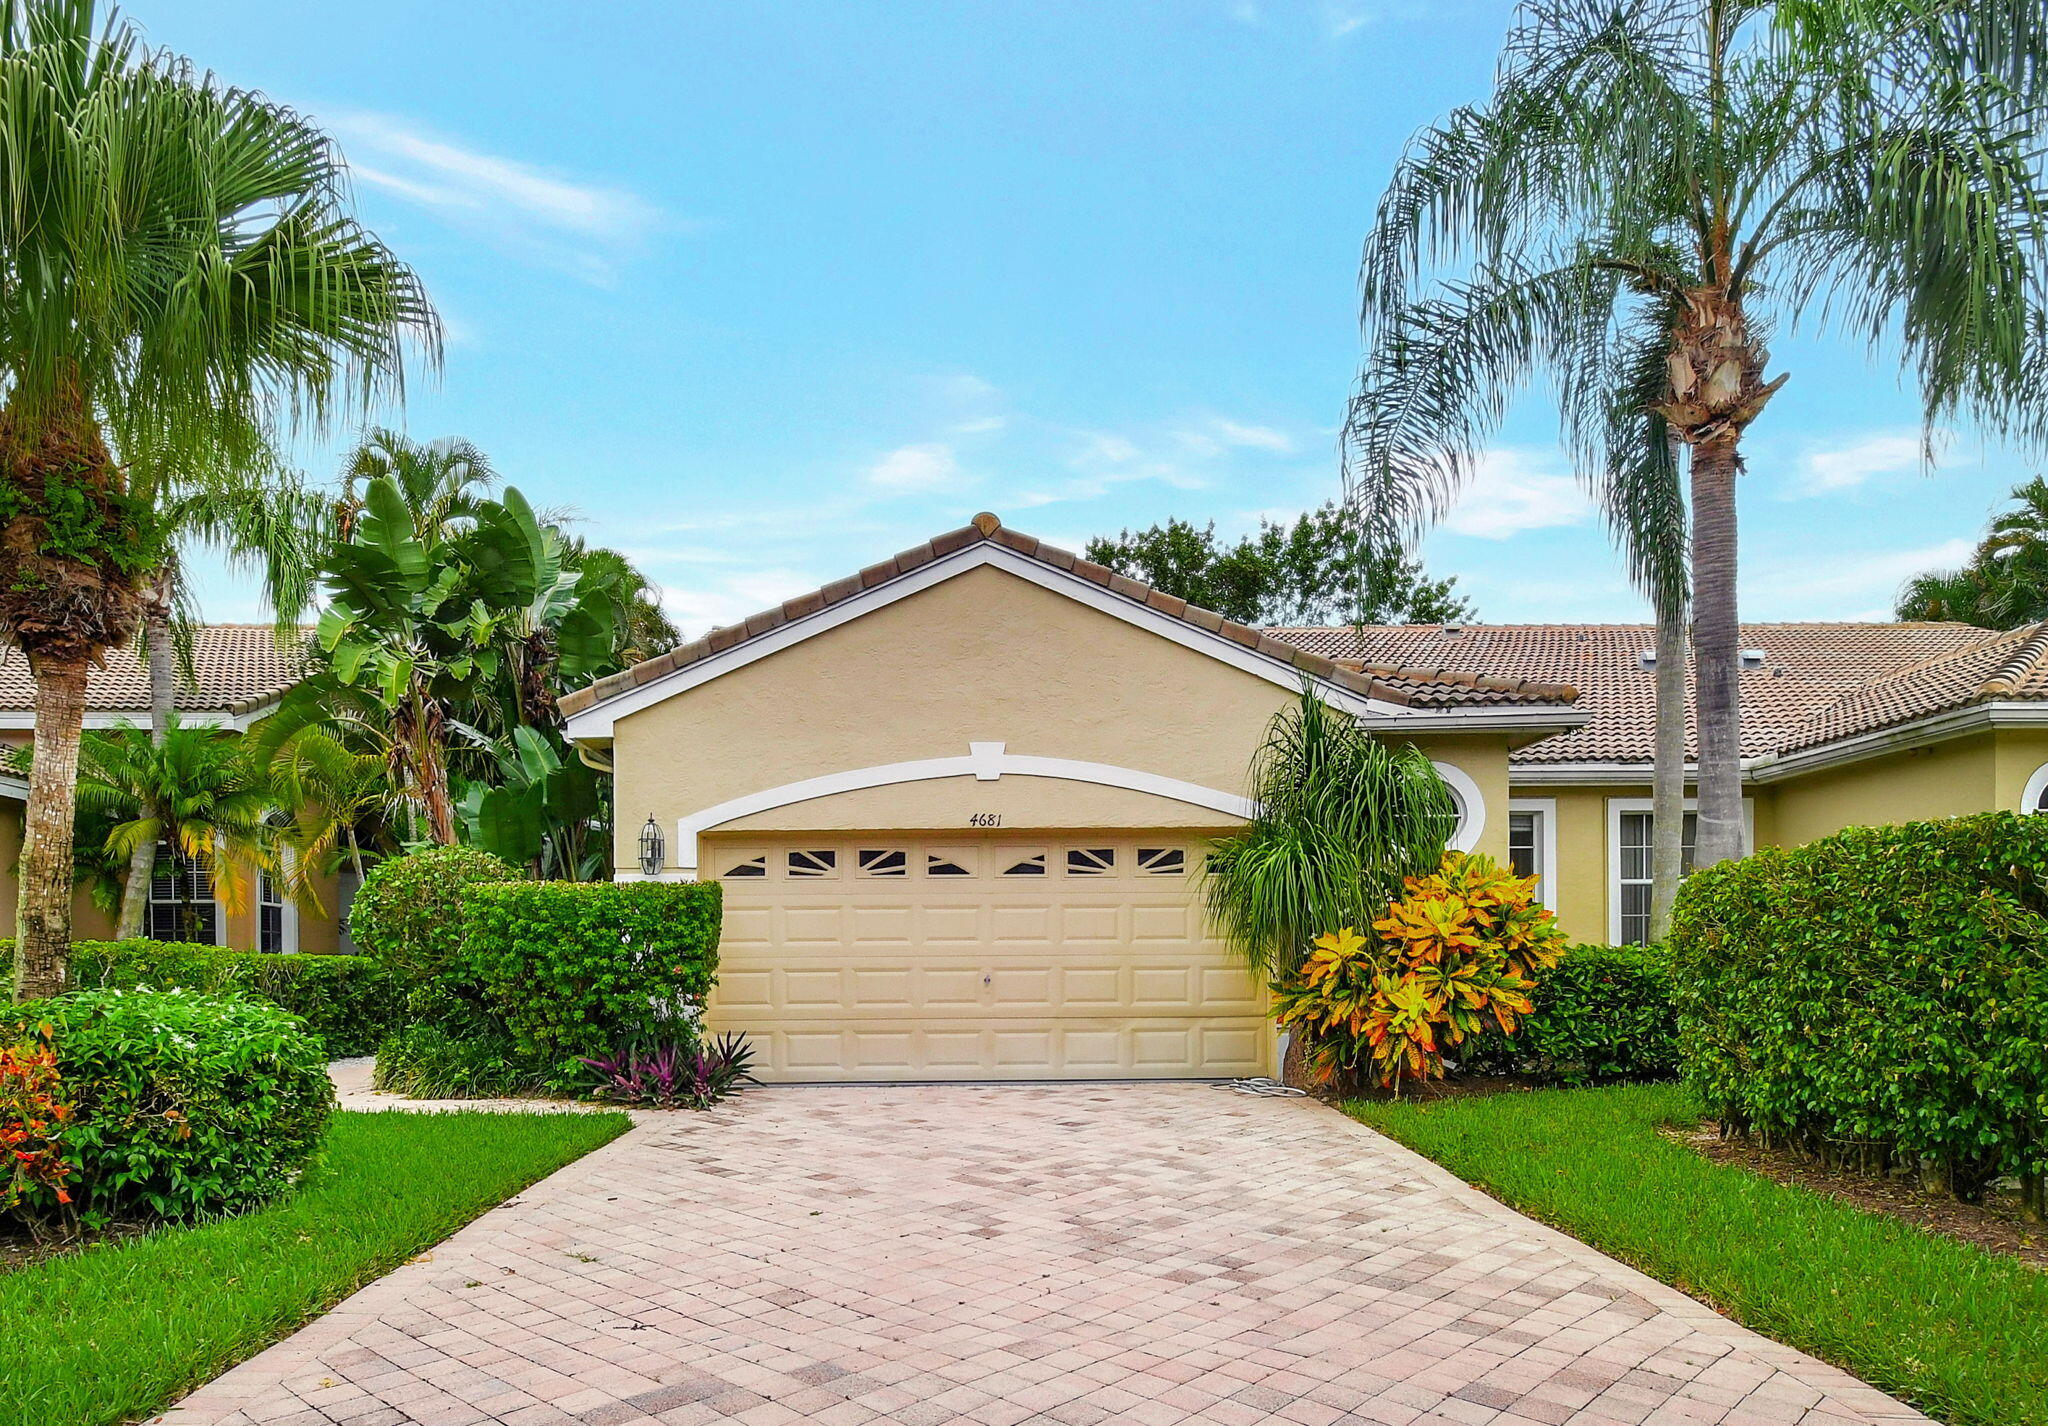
(117, 1332)
(1959, 1333)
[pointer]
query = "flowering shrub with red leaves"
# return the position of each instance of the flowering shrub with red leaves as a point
(33, 1114)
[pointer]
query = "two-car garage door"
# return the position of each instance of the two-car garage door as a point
(1080, 956)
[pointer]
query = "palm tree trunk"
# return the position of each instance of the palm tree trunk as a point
(42, 945)
(1667, 794)
(162, 692)
(1716, 646)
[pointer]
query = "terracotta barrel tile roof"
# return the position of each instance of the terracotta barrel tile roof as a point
(1815, 682)
(2007, 666)
(1410, 687)
(237, 667)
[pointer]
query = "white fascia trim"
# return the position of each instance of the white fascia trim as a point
(1607, 774)
(984, 761)
(1544, 719)
(14, 787)
(597, 721)
(1935, 728)
(1546, 844)
(1618, 805)
(14, 719)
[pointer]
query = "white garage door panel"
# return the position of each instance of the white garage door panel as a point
(887, 958)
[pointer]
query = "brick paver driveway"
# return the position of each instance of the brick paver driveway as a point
(1073, 1254)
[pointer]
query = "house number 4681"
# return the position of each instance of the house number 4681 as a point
(985, 819)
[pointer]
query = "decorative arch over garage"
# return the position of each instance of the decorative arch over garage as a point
(988, 762)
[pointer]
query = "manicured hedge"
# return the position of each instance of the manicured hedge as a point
(183, 1104)
(408, 913)
(574, 968)
(1878, 997)
(1603, 1014)
(350, 1002)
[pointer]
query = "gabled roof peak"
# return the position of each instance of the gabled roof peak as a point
(1405, 688)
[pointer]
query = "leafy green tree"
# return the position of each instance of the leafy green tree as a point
(329, 766)
(2005, 582)
(455, 620)
(1309, 572)
(192, 790)
(262, 519)
(178, 267)
(1654, 185)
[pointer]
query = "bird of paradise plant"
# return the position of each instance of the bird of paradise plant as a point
(1456, 956)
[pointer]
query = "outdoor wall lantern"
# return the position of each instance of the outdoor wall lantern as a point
(650, 849)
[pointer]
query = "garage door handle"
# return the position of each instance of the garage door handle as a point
(984, 980)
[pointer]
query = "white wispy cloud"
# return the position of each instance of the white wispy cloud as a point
(1513, 490)
(1839, 468)
(1342, 20)
(587, 226)
(714, 603)
(1218, 435)
(918, 468)
(1847, 584)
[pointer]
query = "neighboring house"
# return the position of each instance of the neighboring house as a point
(1842, 724)
(239, 672)
(958, 801)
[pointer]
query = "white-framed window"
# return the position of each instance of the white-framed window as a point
(2035, 798)
(1471, 806)
(181, 904)
(277, 919)
(1629, 834)
(1532, 843)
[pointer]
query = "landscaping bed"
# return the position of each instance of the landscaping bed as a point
(1997, 1225)
(119, 1329)
(1960, 1333)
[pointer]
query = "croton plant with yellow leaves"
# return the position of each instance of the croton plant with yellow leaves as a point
(1456, 956)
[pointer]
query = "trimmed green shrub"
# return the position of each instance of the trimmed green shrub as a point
(1602, 1014)
(1878, 997)
(184, 1104)
(350, 1002)
(408, 914)
(575, 968)
(428, 1061)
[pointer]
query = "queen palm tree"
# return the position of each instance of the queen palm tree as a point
(178, 270)
(1652, 187)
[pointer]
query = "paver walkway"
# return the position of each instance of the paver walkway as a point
(994, 1255)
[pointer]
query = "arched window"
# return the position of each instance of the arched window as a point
(2035, 798)
(1471, 806)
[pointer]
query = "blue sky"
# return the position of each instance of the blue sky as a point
(767, 290)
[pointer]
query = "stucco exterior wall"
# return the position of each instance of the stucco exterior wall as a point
(1576, 887)
(1974, 773)
(983, 657)
(1947, 779)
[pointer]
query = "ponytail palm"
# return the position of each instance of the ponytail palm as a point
(1342, 818)
(1652, 188)
(178, 271)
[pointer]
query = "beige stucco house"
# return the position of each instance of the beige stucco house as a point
(958, 801)
(239, 671)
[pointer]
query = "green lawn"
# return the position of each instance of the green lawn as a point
(1961, 1334)
(114, 1333)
